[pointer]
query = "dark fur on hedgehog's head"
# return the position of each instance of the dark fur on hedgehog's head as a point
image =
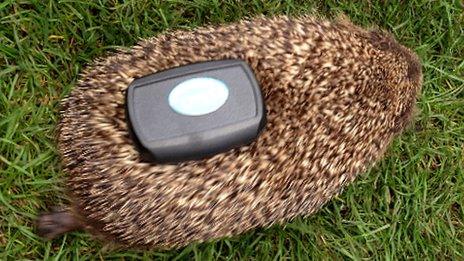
(402, 72)
(336, 95)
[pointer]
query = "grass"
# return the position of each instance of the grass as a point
(409, 206)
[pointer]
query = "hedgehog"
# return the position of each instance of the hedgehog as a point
(336, 96)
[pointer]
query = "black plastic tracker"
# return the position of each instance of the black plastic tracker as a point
(195, 111)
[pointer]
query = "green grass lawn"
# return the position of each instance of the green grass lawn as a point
(410, 205)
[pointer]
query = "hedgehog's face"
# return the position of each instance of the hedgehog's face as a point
(410, 81)
(403, 77)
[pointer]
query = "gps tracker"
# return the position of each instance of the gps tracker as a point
(195, 111)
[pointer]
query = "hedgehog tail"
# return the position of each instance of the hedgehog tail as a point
(55, 223)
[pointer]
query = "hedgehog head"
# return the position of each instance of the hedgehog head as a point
(400, 77)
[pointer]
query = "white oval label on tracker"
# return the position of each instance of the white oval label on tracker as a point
(198, 96)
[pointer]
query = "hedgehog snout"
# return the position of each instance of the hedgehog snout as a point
(412, 86)
(414, 71)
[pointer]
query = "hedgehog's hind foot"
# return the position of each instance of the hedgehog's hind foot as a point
(59, 221)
